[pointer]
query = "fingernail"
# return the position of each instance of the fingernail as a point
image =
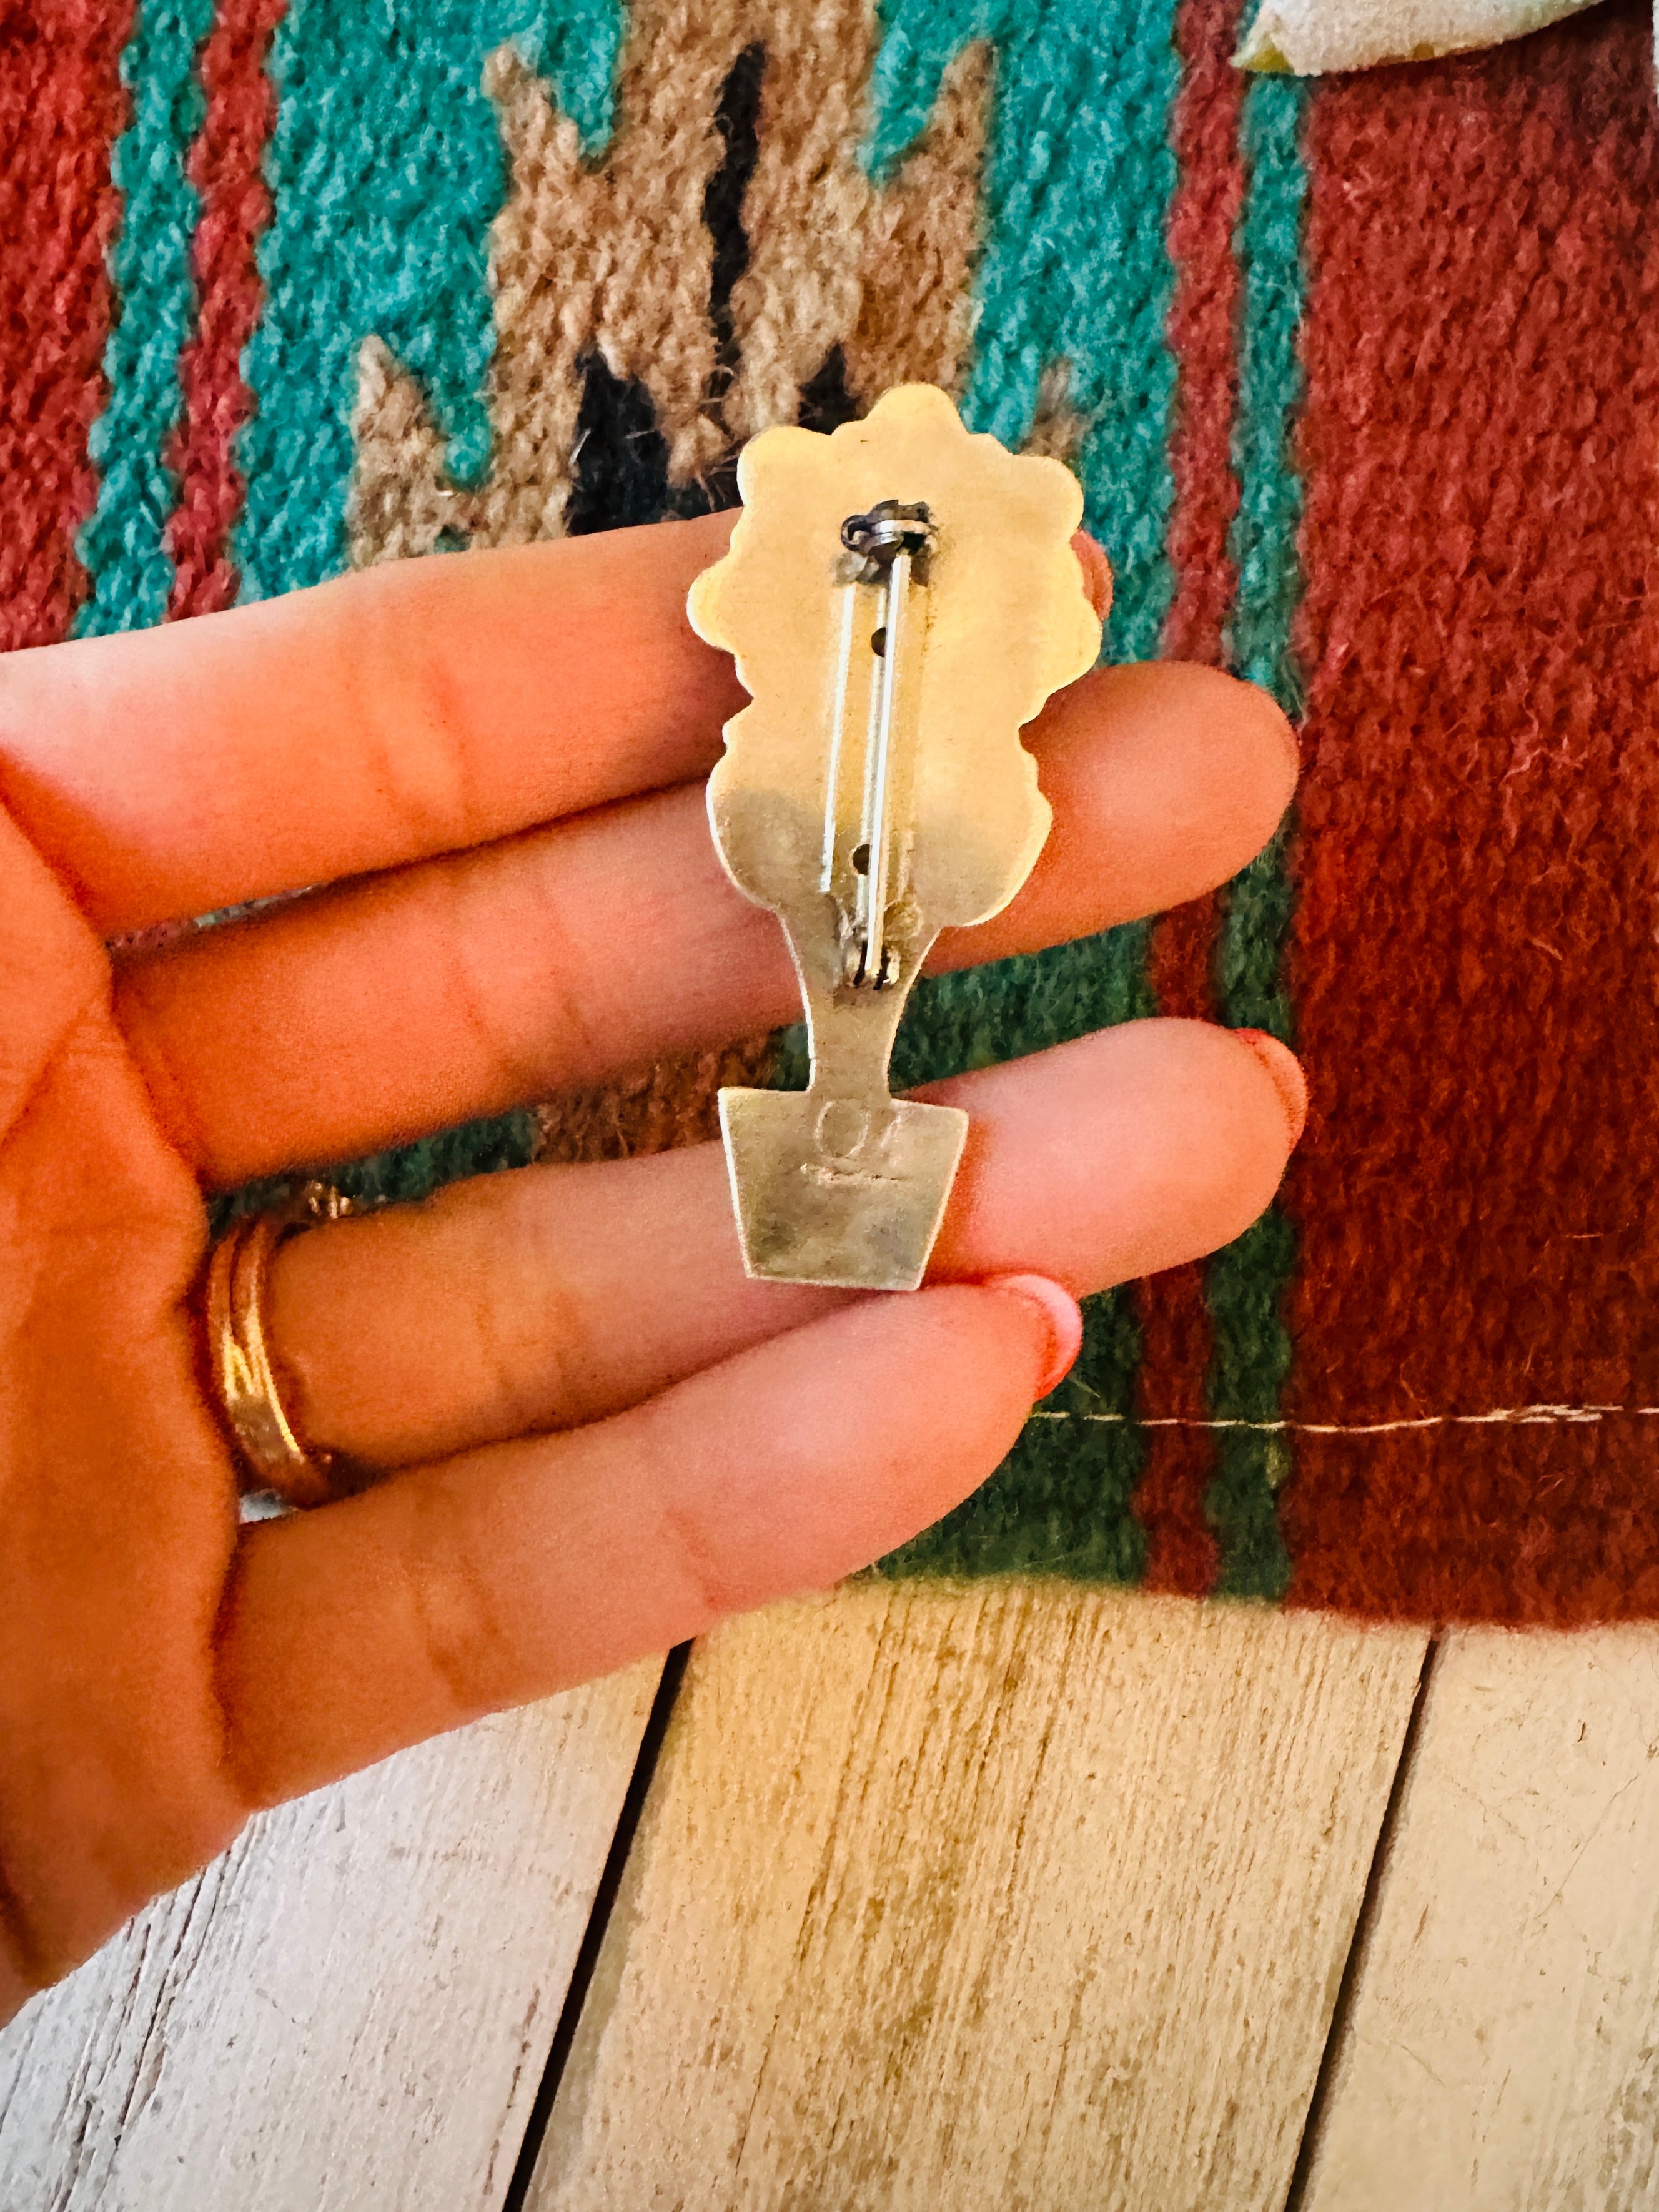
(1096, 571)
(1285, 1070)
(1061, 1317)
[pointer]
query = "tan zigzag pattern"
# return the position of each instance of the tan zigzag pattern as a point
(614, 258)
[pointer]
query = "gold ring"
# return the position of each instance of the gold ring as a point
(272, 1455)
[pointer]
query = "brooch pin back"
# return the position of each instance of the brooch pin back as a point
(901, 597)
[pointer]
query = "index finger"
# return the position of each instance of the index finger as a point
(407, 710)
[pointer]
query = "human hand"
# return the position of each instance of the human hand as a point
(603, 1437)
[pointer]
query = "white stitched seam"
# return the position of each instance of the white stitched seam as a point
(1500, 1417)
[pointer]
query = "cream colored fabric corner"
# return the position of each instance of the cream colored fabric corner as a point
(1309, 38)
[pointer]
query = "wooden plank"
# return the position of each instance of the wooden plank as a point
(353, 2008)
(1502, 2046)
(1015, 1895)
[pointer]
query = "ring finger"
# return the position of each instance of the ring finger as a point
(552, 1298)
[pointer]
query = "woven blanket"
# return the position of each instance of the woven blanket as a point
(1361, 380)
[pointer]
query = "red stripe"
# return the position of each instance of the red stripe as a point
(1182, 1554)
(1475, 965)
(61, 107)
(225, 168)
(1180, 960)
(1203, 326)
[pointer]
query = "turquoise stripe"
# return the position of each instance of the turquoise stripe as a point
(1271, 386)
(1061, 1503)
(406, 1175)
(1247, 1283)
(388, 169)
(981, 1016)
(122, 545)
(1074, 268)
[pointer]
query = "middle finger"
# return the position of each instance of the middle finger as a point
(381, 1010)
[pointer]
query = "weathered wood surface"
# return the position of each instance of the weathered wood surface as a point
(1015, 1897)
(1009, 1896)
(353, 2008)
(1501, 2053)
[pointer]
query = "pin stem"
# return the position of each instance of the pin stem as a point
(877, 829)
(887, 541)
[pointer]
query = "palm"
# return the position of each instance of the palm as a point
(599, 1435)
(118, 1498)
